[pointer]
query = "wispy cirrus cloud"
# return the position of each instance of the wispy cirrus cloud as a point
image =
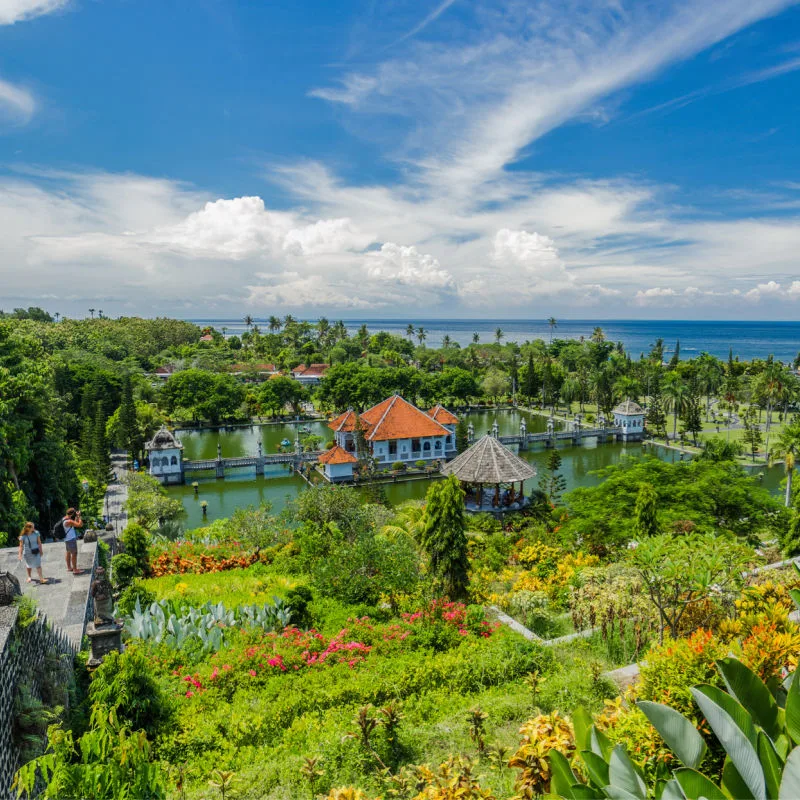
(17, 103)
(12, 11)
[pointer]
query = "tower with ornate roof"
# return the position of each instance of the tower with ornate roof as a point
(629, 416)
(165, 453)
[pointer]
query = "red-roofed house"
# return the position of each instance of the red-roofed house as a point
(309, 375)
(396, 430)
(337, 464)
(207, 338)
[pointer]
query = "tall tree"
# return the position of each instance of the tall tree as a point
(788, 447)
(100, 460)
(690, 413)
(553, 323)
(444, 538)
(422, 335)
(656, 418)
(675, 395)
(551, 481)
(498, 335)
(462, 436)
(752, 436)
(129, 429)
(646, 512)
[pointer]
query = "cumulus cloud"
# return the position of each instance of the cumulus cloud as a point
(242, 227)
(394, 263)
(12, 11)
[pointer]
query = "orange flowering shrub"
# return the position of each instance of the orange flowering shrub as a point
(185, 557)
(670, 669)
(771, 652)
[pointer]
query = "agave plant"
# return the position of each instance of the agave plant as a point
(758, 728)
(206, 625)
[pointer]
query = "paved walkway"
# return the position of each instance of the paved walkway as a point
(64, 599)
(117, 493)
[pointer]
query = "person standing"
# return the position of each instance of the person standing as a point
(72, 521)
(30, 548)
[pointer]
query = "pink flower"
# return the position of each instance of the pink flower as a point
(252, 673)
(189, 694)
(226, 666)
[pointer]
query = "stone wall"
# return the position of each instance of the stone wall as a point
(22, 657)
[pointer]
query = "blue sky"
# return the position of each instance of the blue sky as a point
(453, 158)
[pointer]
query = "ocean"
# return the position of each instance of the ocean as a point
(748, 340)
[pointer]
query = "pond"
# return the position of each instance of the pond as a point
(280, 485)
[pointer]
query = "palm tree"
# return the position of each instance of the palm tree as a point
(476, 337)
(422, 335)
(446, 341)
(100, 313)
(224, 330)
(498, 335)
(553, 323)
(288, 320)
(91, 311)
(56, 315)
(789, 447)
(248, 320)
(675, 393)
(409, 330)
(274, 324)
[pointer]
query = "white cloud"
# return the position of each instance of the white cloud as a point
(17, 104)
(12, 11)
(394, 263)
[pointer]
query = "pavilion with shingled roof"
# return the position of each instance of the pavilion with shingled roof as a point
(489, 474)
(396, 430)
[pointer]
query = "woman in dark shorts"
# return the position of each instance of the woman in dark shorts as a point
(72, 521)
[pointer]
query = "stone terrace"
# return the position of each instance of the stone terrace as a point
(65, 599)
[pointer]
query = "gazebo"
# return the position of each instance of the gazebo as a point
(487, 464)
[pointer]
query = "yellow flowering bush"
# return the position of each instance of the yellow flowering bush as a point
(540, 735)
(553, 577)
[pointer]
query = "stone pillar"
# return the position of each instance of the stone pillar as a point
(550, 429)
(220, 466)
(495, 429)
(523, 432)
(102, 640)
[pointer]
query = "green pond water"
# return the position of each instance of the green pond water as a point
(280, 485)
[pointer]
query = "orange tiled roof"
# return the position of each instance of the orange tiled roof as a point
(207, 338)
(441, 414)
(311, 370)
(394, 418)
(337, 455)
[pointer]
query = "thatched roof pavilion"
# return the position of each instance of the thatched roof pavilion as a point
(487, 463)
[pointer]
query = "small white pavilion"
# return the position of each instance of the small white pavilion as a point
(629, 416)
(165, 453)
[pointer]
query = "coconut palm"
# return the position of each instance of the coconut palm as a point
(248, 321)
(91, 311)
(446, 341)
(675, 395)
(100, 313)
(498, 335)
(409, 330)
(408, 521)
(476, 337)
(274, 324)
(553, 323)
(422, 335)
(788, 447)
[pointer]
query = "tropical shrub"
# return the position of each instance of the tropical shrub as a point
(124, 569)
(133, 594)
(756, 726)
